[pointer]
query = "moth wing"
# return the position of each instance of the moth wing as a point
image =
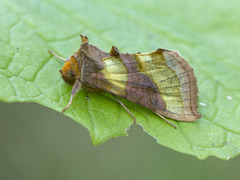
(176, 83)
(161, 81)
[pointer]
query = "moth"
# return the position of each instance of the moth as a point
(162, 80)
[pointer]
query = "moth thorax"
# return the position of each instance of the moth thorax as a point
(70, 71)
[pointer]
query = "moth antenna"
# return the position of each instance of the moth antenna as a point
(120, 102)
(114, 51)
(166, 120)
(75, 89)
(57, 56)
(84, 39)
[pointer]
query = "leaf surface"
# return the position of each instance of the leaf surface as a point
(206, 33)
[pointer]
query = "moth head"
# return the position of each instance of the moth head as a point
(69, 70)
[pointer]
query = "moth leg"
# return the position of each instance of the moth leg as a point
(57, 56)
(120, 102)
(70, 102)
(75, 89)
(166, 120)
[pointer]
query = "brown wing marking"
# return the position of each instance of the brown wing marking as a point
(144, 93)
(188, 84)
(129, 83)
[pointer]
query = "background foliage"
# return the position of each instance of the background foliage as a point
(206, 33)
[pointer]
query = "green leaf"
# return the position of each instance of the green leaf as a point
(205, 32)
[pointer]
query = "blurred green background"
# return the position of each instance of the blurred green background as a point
(39, 143)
